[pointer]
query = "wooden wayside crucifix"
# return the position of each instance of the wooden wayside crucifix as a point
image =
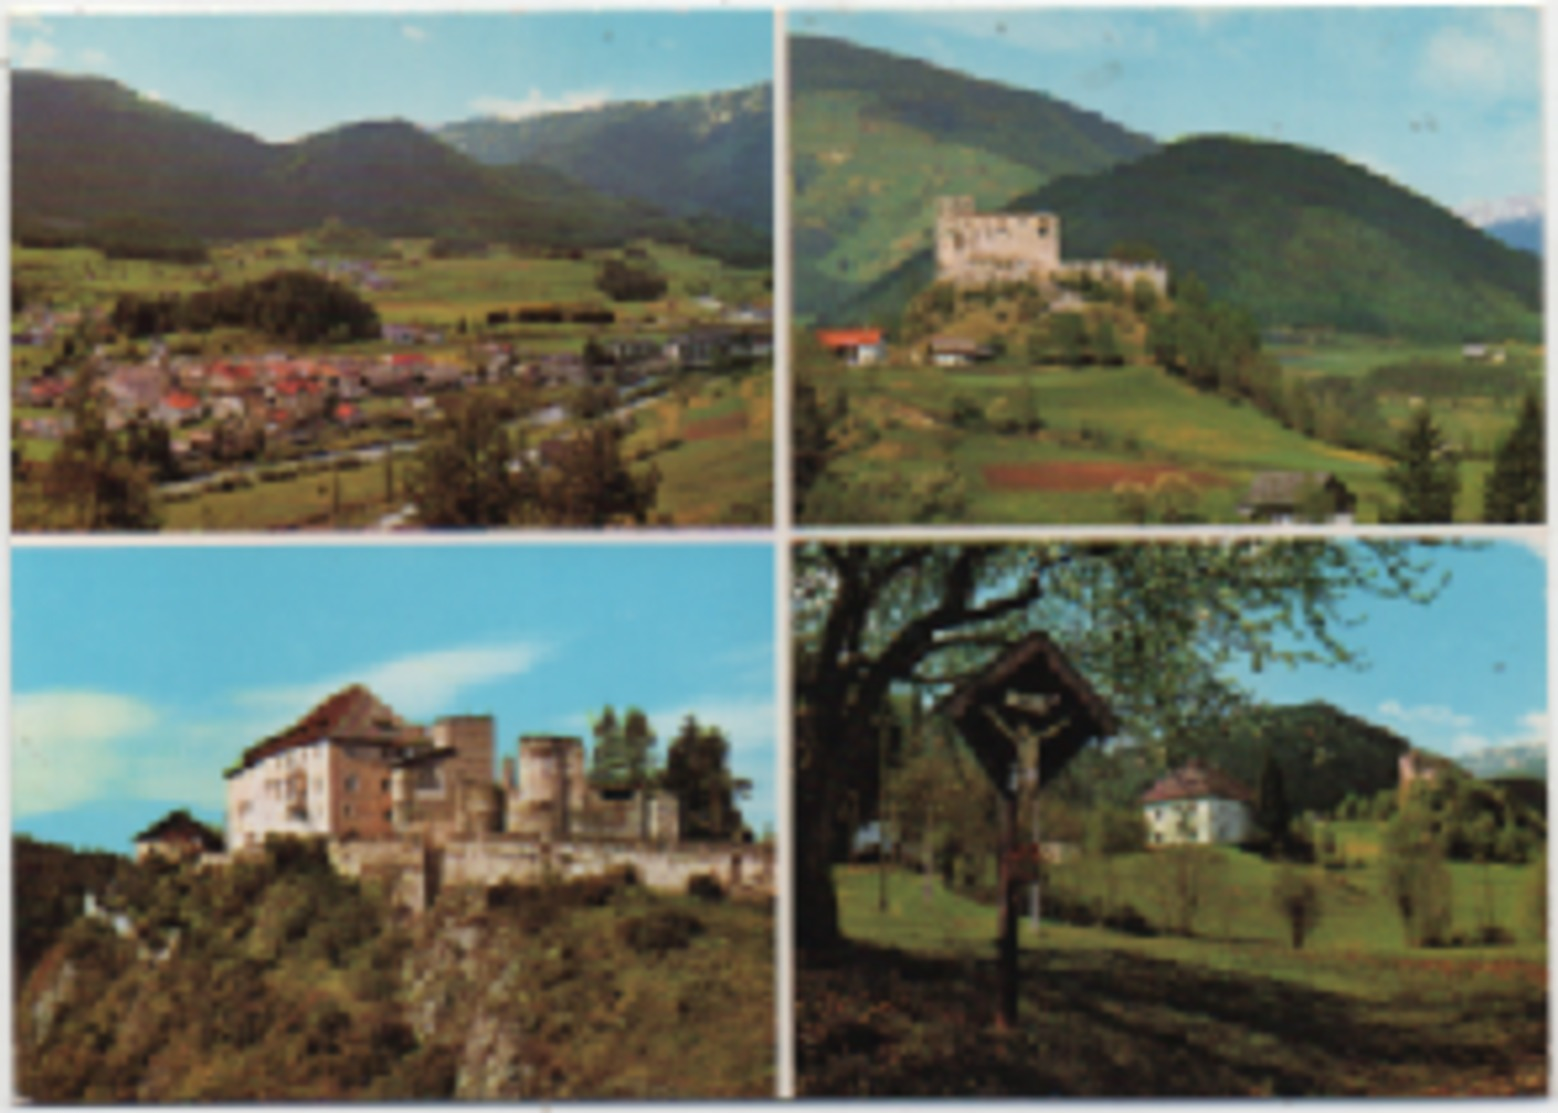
(1024, 717)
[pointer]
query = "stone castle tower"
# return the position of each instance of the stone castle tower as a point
(978, 249)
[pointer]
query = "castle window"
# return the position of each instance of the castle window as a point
(351, 782)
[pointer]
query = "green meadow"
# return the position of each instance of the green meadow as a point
(1110, 436)
(1233, 1010)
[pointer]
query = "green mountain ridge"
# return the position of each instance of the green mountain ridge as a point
(708, 153)
(1324, 753)
(1304, 238)
(1296, 236)
(89, 149)
(876, 138)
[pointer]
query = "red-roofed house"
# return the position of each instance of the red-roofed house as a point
(178, 407)
(327, 774)
(350, 765)
(1198, 803)
(855, 346)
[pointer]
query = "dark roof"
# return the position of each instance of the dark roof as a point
(1287, 488)
(957, 345)
(1195, 781)
(1032, 685)
(181, 826)
(353, 714)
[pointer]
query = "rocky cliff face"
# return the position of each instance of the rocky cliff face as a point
(288, 982)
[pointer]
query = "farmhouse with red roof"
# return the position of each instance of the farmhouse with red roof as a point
(1197, 803)
(855, 346)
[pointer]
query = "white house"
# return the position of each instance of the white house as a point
(1197, 804)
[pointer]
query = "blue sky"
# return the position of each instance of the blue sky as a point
(139, 674)
(1446, 101)
(1456, 675)
(284, 76)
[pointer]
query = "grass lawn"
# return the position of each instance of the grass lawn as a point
(905, 1008)
(306, 502)
(718, 466)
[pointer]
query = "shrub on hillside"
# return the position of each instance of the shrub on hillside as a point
(705, 886)
(1533, 900)
(1183, 878)
(664, 929)
(1297, 899)
(1417, 881)
(623, 282)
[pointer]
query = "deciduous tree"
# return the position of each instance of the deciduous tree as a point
(1147, 624)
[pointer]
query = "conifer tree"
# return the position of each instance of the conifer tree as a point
(1516, 490)
(1424, 475)
(1272, 813)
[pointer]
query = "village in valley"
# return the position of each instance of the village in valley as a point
(192, 351)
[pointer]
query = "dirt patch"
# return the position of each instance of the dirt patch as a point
(716, 428)
(1067, 477)
(907, 415)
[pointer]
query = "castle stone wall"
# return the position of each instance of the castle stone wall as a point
(979, 249)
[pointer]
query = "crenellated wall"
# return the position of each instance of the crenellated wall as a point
(413, 873)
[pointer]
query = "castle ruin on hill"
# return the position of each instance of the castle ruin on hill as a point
(979, 249)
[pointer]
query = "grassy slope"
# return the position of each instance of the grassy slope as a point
(906, 1009)
(1477, 422)
(294, 984)
(1145, 416)
(866, 192)
(876, 138)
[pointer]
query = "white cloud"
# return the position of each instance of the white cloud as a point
(418, 686)
(70, 746)
(1495, 51)
(1429, 715)
(35, 54)
(94, 58)
(413, 33)
(1532, 731)
(32, 21)
(537, 104)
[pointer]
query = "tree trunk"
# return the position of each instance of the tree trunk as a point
(816, 799)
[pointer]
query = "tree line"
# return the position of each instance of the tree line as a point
(471, 471)
(696, 771)
(297, 306)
